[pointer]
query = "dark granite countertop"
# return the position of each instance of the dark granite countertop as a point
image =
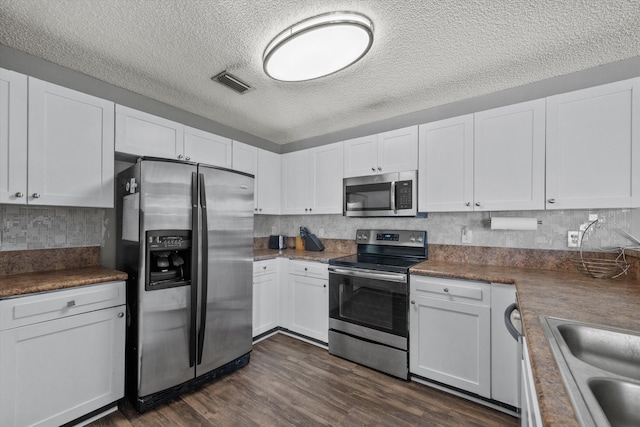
(564, 294)
(12, 285)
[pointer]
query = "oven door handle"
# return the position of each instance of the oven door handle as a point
(370, 274)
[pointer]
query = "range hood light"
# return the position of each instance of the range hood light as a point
(318, 46)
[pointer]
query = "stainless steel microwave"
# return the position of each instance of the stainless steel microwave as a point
(390, 194)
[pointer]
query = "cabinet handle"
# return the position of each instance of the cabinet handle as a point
(373, 169)
(446, 290)
(379, 169)
(264, 267)
(310, 209)
(256, 209)
(19, 194)
(180, 156)
(71, 303)
(306, 210)
(36, 195)
(551, 201)
(413, 302)
(478, 204)
(260, 210)
(121, 314)
(187, 158)
(324, 286)
(468, 203)
(305, 269)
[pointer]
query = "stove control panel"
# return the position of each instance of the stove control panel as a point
(394, 238)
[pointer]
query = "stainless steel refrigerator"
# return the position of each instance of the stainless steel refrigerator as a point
(185, 237)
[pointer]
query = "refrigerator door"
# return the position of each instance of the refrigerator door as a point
(164, 321)
(225, 301)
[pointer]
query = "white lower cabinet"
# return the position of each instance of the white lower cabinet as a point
(266, 296)
(308, 289)
(450, 332)
(61, 354)
(530, 413)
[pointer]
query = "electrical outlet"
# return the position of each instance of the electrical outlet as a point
(467, 235)
(573, 239)
(274, 230)
(321, 232)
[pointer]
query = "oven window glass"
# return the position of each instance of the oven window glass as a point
(371, 303)
(369, 197)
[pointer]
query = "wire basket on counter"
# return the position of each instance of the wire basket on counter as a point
(612, 264)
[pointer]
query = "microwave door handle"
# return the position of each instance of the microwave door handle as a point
(393, 197)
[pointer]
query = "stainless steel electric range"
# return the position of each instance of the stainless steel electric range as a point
(369, 299)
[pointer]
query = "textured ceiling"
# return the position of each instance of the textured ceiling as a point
(425, 53)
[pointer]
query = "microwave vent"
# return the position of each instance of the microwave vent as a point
(232, 82)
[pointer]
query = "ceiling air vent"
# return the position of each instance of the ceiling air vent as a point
(232, 82)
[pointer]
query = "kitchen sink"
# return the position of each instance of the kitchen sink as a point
(612, 351)
(600, 366)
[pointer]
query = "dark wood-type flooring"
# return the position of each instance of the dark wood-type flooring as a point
(291, 383)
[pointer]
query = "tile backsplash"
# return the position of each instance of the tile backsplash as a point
(446, 228)
(27, 227)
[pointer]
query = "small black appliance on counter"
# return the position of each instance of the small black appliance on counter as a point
(277, 242)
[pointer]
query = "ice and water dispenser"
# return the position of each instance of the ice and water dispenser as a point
(168, 254)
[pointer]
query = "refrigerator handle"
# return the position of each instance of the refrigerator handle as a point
(194, 268)
(205, 268)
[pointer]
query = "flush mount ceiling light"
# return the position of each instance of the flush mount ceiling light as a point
(318, 46)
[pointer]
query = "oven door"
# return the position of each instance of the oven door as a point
(369, 304)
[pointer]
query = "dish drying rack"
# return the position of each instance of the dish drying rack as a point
(603, 268)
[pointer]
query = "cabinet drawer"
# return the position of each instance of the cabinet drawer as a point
(20, 311)
(309, 269)
(264, 267)
(467, 291)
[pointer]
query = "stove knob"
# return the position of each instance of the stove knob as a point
(365, 237)
(412, 238)
(420, 239)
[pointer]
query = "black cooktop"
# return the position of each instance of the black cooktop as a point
(376, 262)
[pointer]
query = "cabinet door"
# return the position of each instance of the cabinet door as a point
(54, 372)
(268, 181)
(296, 183)
(445, 170)
(505, 351)
(143, 134)
(398, 150)
(205, 147)
(13, 137)
(71, 154)
(327, 169)
(509, 157)
(245, 159)
(310, 311)
(265, 303)
(361, 156)
(450, 343)
(593, 147)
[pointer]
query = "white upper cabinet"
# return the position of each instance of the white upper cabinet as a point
(445, 170)
(492, 160)
(245, 157)
(393, 151)
(509, 150)
(205, 147)
(265, 166)
(143, 134)
(13, 137)
(593, 147)
(70, 150)
(312, 180)
(268, 179)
